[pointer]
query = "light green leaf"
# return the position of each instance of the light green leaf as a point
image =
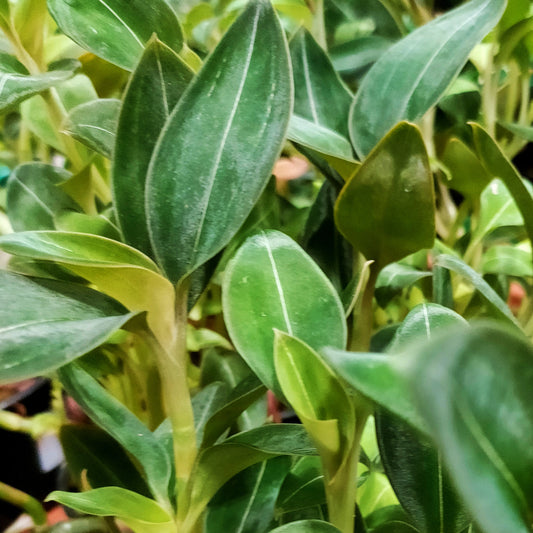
(122, 425)
(508, 260)
(316, 395)
(94, 124)
(394, 180)
(70, 221)
(115, 268)
(489, 294)
(142, 514)
(272, 283)
(306, 526)
(319, 138)
(241, 114)
(474, 390)
(395, 277)
(414, 73)
(207, 402)
(76, 321)
(34, 197)
(117, 30)
(497, 165)
(246, 502)
(154, 89)
(319, 94)
(16, 83)
(524, 132)
(218, 464)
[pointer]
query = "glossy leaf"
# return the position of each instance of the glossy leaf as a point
(499, 166)
(473, 388)
(17, 84)
(73, 222)
(76, 321)
(395, 277)
(34, 197)
(418, 68)
(318, 398)
(509, 260)
(489, 294)
(115, 268)
(319, 94)
(117, 30)
(306, 526)
(94, 124)
(121, 424)
(104, 461)
(394, 180)
(241, 114)
(303, 487)
(218, 464)
(467, 173)
(414, 468)
(154, 89)
(140, 513)
(271, 283)
(246, 502)
(207, 402)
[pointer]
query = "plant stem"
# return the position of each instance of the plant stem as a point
(490, 89)
(24, 501)
(363, 323)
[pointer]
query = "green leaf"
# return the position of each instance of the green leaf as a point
(218, 464)
(122, 425)
(318, 398)
(18, 84)
(474, 390)
(395, 179)
(135, 510)
(497, 165)
(34, 197)
(524, 132)
(94, 124)
(414, 468)
(81, 223)
(395, 277)
(489, 294)
(319, 94)
(467, 173)
(272, 283)
(241, 114)
(117, 30)
(76, 321)
(246, 502)
(415, 72)
(508, 260)
(154, 89)
(115, 268)
(106, 463)
(306, 526)
(319, 138)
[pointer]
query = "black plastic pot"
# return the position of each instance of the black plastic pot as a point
(22, 464)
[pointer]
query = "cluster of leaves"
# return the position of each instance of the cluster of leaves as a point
(179, 280)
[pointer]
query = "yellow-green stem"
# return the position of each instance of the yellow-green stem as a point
(364, 321)
(24, 501)
(490, 89)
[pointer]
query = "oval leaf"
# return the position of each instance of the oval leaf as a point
(272, 283)
(154, 89)
(238, 106)
(414, 73)
(394, 180)
(306, 526)
(117, 30)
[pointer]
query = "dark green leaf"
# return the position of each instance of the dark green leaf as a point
(395, 277)
(239, 105)
(319, 94)
(271, 283)
(207, 402)
(395, 179)
(95, 124)
(76, 321)
(474, 390)
(155, 87)
(509, 260)
(122, 425)
(17, 84)
(34, 197)
(106, 463)
(306, 526)
(246, 502)
(117, 30)
(410, 78)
